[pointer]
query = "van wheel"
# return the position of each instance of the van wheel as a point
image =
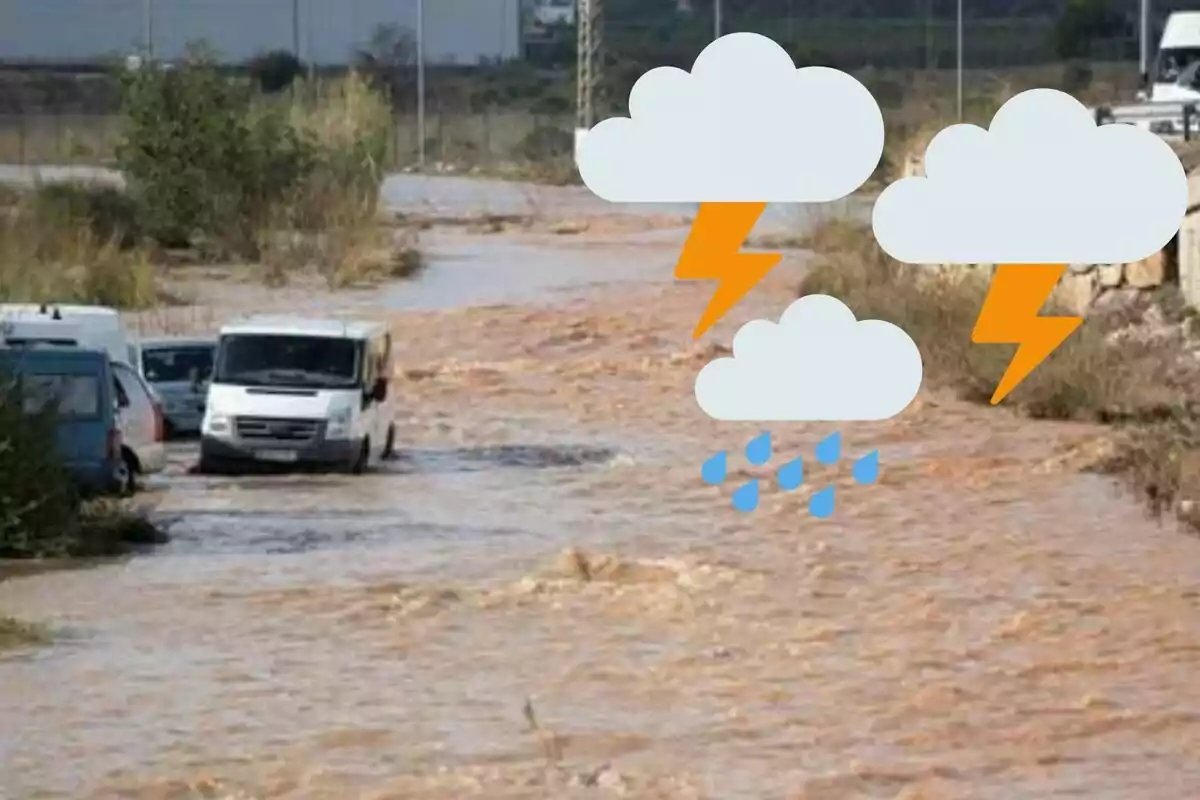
(120, 478)
(130, 471)
(128, 474)
(364, 458)
(389, 444)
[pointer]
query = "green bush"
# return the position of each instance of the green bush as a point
(275, 70)
(202, 165)
(546, 142)
(1083, 22)
(42, 515)
(38, 505)
(344, 126)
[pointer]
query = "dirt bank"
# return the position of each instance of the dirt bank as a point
(540, 597)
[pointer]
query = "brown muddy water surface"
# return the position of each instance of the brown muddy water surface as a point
(985, 622)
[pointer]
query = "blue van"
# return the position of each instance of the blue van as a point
(82, 383)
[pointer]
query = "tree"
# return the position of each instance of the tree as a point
(199, 159)
(275, 70)
(390, 53)
(1082, 23)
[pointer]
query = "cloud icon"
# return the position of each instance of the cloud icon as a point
(744, 126)
(1043, 185)
(818, 363)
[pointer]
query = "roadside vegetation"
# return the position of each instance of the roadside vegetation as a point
(214, 172)
(1134, 385)
(41, 514)
(43, 520)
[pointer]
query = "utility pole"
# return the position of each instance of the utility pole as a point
(421, 83)
(589, 61)
(308, 41)
(296, 28)
(148, 29)
(960, 60)
(717, 19)
(927, 15)
(1144, 42)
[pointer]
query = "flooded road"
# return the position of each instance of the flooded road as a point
(984, 622)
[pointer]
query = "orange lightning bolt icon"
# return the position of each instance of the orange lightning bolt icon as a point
(712, 252)
(1010, 316)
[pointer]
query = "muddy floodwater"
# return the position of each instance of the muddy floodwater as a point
(540, 598)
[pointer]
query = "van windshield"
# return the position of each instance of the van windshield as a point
(310, 362)
(176, 364)
(1172, 61)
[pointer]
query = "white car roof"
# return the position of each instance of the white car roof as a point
(26, 309)
(40, 328)
(302, 326)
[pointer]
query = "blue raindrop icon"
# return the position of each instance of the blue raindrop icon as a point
(820, 505)
(829, 449)
(746, 497)
(866, 469)
(758, 450)
(791, 475)
(713, 471)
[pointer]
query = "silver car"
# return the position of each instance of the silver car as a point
(179, 370)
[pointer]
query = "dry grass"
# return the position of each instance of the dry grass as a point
(356, 253)
(15, 633)
(1084, 379)
(331, 224)
(53, 254)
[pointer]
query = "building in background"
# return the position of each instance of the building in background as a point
(329, 31)
(553, 12)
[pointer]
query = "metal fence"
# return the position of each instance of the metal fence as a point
(896, 51)
(488, 139)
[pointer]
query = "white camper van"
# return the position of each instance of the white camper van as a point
(299, 391)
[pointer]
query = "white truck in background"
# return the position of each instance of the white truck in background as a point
(1174, 69)
(1170, 97)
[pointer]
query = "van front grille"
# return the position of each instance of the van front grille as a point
(277, 429)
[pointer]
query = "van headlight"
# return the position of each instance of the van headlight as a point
(218, 423)
(339, 422)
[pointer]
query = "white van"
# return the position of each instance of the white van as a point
(99, 326)
(299, 391)
(140, 410)
(1174, 70)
